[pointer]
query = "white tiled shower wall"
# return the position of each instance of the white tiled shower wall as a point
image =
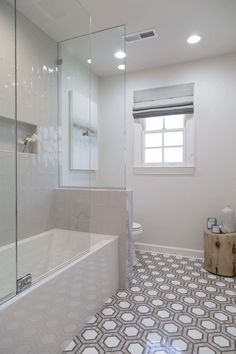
(36, 104)
(7, 67)
(7, 197)
(7, 100)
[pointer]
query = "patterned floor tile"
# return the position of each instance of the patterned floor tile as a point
(172, 306)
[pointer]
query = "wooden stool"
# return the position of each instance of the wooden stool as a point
(220, 253)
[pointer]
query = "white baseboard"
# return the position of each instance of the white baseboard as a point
(186, 252)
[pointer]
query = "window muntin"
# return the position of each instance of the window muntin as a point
(163, 141)
(153, 140)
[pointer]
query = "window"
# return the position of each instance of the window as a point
(164, 130)
(163, 140)
(164, 145)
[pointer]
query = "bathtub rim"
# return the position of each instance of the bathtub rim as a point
(101, 240)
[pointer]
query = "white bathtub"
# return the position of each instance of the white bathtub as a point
(42, 254)
(71, 283)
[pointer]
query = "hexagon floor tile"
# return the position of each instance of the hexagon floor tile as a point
(173, 305)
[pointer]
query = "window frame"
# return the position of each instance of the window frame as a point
(163, 131)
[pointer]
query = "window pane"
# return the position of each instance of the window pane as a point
(154, 123)
(173, 154)
(153, 139)
(173, 138)
(153, 155)
(174, 122)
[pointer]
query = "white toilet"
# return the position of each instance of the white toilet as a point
(137, 231)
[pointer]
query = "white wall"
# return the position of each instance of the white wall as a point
(173, 209)
(111, 171)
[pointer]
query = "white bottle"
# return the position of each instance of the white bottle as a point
(228, 220)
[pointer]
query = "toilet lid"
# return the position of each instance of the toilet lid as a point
(136, 226)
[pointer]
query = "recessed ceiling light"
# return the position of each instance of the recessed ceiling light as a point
(89, 61)
(195, 38)
(120, 54)
(121, 67)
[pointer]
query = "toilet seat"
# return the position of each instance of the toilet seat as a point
(137, 231)
(136, 227)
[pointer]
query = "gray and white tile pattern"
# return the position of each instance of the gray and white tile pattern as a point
(172, 306)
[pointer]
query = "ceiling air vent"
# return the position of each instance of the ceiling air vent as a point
(139, 36)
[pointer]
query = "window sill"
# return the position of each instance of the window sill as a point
(168, 170)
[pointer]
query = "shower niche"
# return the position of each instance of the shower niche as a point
(27, 136)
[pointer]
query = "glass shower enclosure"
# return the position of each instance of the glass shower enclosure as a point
(62, 103)
(7, 150)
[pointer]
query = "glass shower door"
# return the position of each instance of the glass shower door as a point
(7, 151)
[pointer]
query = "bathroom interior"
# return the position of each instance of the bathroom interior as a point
(117, 144)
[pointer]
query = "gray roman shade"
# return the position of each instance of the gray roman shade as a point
(167, 100)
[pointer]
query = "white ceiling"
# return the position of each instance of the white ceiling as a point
(174, 20)
(60, 19)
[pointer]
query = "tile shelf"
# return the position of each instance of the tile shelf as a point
(18, 152)
(7, 135)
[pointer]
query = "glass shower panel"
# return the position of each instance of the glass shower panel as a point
(92, 99)
(7, 151)
(41, 25)
(75, 112)
(76, 131)
(108, 74)
(37, 143)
